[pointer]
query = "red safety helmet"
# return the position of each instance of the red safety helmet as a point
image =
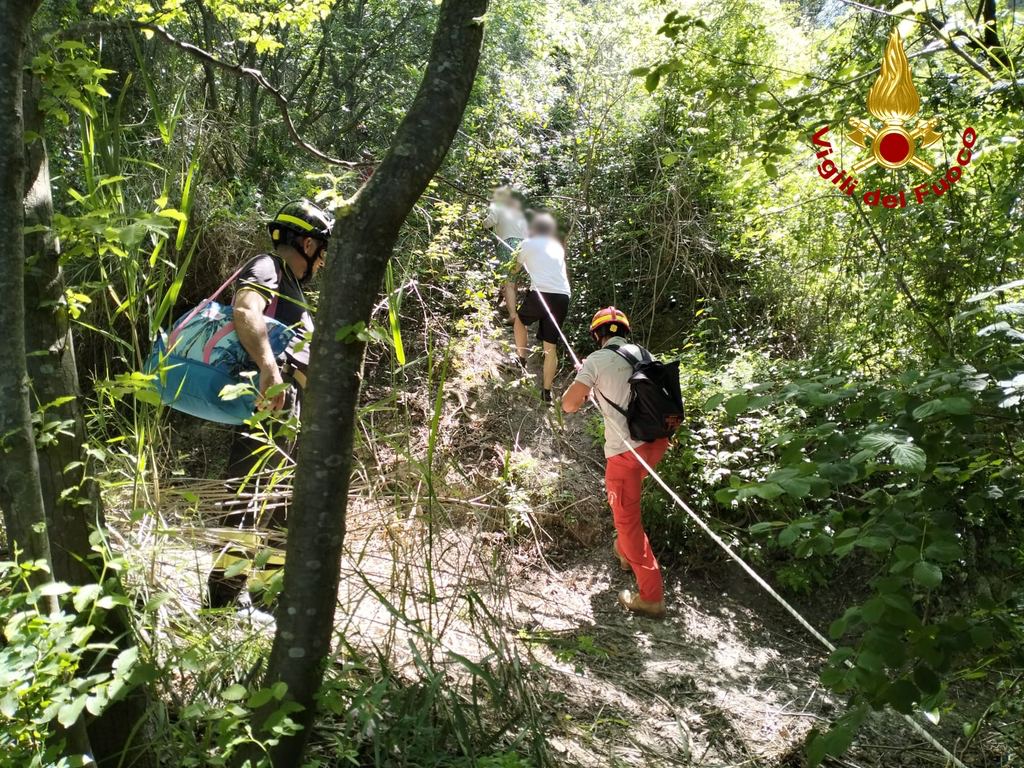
(614, 319)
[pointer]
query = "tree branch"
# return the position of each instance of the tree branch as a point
(239, 70)
(937, 29)
(253, 74)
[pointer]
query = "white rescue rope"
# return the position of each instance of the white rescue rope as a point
(917, 727)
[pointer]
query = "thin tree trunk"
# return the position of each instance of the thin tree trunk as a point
(70, 495)
(21, 497)
(993, 47)
(213, 96)
(359, 254)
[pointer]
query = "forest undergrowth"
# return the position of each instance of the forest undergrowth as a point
(852, 376)
(476, 621)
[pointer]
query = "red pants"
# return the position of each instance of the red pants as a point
(623, 477)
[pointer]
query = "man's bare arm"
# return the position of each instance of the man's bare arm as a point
(575, 396)
(251, 326)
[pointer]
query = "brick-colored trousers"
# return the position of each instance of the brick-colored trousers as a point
(623, 478)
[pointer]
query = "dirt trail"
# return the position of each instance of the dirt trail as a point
(717, 683)
(511, 558)
(728, 679)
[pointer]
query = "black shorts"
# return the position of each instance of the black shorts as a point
(532, 311)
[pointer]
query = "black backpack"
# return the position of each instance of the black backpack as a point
(655, 408)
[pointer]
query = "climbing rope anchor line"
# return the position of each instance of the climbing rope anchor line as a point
(916, 726)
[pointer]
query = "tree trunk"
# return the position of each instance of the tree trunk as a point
(70, 495)
(21, 496)
(359, 254)
(993, 47)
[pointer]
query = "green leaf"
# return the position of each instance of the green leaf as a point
(96, 702)
(125, 662)
(235, 391)
(259, 698)
(848, 534)
(761, 490)
(870, 661)
(834, 677)
(80, 635)
(713, 402)
(797, 487)
(789, 534)
(879, 441)
(234, 692)
(877, 543)
(838, 627)
(82, 107)
(957, 405)
(149, 396)
(838, 739)
(873, 610)
(908, 456)
(887, 644)
(54, 588)
(68, 714)
(85, 596)
(351, 333)
(927, 574)
(944, 551)
(394, 304)
(907, 553)
(839, 473)
(652, 80)
(735, 404)
(9, 705)
(725, 496)
(237, 567)
(926, 410)
(982, 636)
(156, 601)
(902, 695)
(172, 213)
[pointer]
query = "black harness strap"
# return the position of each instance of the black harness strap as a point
(645, 357)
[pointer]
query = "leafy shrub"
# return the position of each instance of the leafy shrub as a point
(47, 672)
(912, 481)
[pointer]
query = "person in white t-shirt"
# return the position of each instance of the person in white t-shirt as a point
(506, 219)
(547, 303)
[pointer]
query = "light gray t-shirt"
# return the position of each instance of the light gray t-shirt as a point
(608, 375)
(506, 221)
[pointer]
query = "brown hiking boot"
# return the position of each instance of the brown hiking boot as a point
(633, 603)
(623, 562)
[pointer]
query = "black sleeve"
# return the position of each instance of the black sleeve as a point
(262, 275)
